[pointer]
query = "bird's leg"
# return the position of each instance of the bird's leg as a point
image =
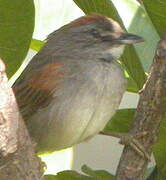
(131, 140)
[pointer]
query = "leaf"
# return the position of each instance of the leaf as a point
(157, 13)
(105, 7)
(97, 174)
(36, 44)
(130, 59)
(72, 175)
(121, 121)
(133, 67)
(50, 177)
(131, 85)
(16, 28)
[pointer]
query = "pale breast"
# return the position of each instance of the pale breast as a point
(112, 85)
(83, 107)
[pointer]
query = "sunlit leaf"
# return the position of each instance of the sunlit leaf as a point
(36, 44)
(132, 86)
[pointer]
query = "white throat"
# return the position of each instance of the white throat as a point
(116, 52)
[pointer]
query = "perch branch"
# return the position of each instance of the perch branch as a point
(17, 157)
(149, 114)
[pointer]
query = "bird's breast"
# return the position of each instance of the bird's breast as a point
(81, 109)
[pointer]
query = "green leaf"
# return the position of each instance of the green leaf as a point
(50, 177)
(121, 121)
(97, 174)
(131, 85)
(72, 175)
(16, 28)
(130, 59)
(36, 44)
(157, 13)
(133, 67)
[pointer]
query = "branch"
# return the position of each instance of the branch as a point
(148, 117)
(17, 156)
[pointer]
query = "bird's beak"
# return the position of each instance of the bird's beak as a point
(128, 38)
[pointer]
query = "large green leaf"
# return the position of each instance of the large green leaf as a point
(131, 60)
(157, 13)
(97, 174)
(133, 67)
(16, 28)
(131, 86)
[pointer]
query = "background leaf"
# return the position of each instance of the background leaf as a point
(157, 13)
(121, 121)
(16, 28)
(97, 174)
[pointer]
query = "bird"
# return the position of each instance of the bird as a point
(73, 86)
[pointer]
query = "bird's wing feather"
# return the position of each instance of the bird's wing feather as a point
(34, 88)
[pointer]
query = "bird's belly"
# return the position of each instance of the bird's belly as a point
(84, 110)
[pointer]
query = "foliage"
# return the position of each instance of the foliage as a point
(90, 175)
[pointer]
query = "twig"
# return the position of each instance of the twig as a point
(150, 112)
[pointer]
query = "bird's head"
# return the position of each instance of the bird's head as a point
(95, 35)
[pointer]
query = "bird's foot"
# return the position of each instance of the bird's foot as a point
(132, 141)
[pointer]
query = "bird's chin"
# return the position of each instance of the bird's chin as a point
(116, 52)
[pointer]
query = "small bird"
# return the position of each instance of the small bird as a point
(73, 86)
